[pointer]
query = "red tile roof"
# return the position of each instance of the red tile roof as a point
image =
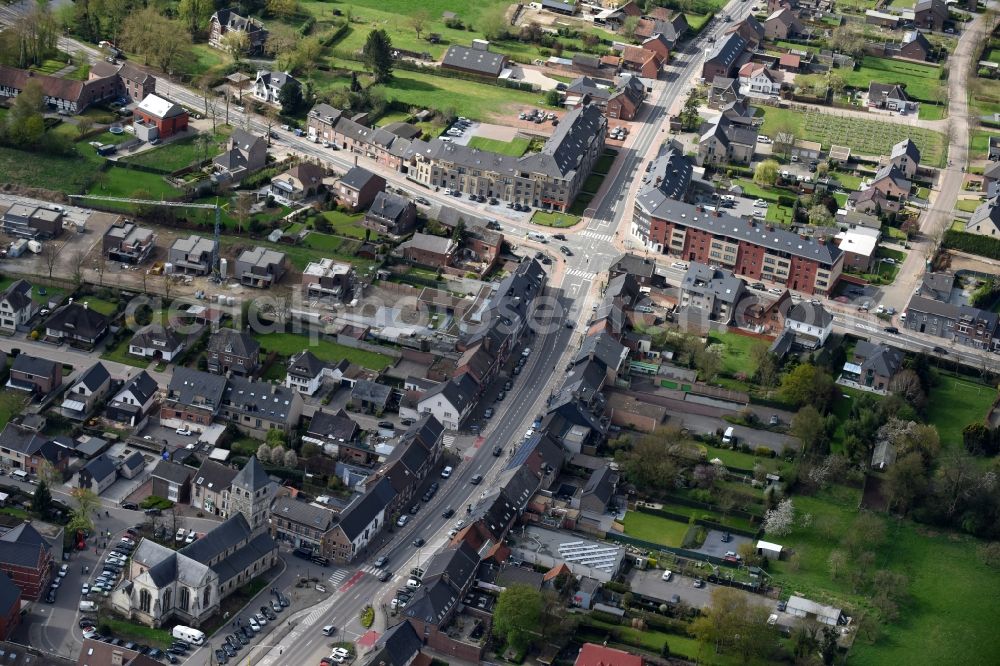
(598, 655)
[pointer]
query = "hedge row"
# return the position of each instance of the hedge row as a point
(984, 246)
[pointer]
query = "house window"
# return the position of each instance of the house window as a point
(185, 599)
(145, 600)
(207, 597)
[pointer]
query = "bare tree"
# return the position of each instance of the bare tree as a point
(50, 253)
(100, 266)
(76, 260)
(244, 202)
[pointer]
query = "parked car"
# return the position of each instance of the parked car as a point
(446, 472)
(476, 479)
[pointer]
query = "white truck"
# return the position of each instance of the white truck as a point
(35, 246)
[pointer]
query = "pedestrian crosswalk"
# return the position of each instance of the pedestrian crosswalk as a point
(576, 272)
(596, 235)
(449, 440)
(338, 576)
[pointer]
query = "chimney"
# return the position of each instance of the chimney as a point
(355, 159)
(86, 305)
(822, 241)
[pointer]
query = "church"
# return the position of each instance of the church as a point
(187, 585)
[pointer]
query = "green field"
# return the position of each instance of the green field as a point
(654, 529)
(922, 82)
(554, 219)
(736, 358)
(954, 403)
(12, 403)
(287, 344)
(862, 136)
(180, 153)
(515, 148)
(50, 172)
(930, 111)
(979, 142)
(119, 353)
(967, 205)
(124, 182)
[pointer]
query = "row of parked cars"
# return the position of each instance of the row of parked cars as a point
(88, 625)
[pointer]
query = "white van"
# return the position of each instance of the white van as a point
(88, 606)
(730, 436)
(535, 236)
(192, 636)
(19, 474)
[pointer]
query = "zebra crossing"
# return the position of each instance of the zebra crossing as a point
(607, 238)
(576, 272)
(338, 576)
(449, 440)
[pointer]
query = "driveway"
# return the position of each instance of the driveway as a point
(716, 547)
(650, 584)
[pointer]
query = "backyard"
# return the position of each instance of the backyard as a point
(736, 357)
(182, 152)
(654, 529)
(119, 354)
(287, 344)
(515, 148)
(12, 403)
(862, 136)
(954, 403)
(922, 82)
(341, 224)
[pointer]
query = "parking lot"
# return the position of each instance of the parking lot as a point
(715, 546)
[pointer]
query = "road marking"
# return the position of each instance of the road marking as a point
(576, 272)
(337, 576)
(598, 236)
(448, 441)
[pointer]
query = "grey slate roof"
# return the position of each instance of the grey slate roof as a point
(33, 365)
(22, 546)
(445, 577)
(810, 313)
(883, 359)
(601, 484)
(726, 50)
(363, 509)
(389, 206)
(215, 542)
(188, 386)
(305, 364)
(17, 294)
(634, 264)
(893, 173)
(147, 337)
(396, 647)
(214, 476)
(241, 559)
(357, 178)
(430, 243)
(908, 148)
(604, 349)
(339, 427)
(260, 399)
(721, 283)
(585, 85)
(477, 60)
(76, 319)
(252, 476)
(670, 173)
(101, 467)
(229, 341)
(142, 386)
(276, 79)
(95, 377)
(134, 462)
(988, 210)
(459, 391)
(310, 515)
(172, 472)
(779, 240)
(369, 391)
(887, 91)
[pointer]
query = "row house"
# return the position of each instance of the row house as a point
(964, 324)
(134, 401)
(750, 249)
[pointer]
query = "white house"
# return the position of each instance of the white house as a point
(306, 372)
(132, 403)
(810, 322)
(267, 86)
(156, 341)
(450, 402)
(756, 80)
(85, 393)
(16, 306)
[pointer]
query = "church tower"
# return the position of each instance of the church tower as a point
(251, 493)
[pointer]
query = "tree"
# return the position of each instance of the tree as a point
(241, 209)
(905, 481)
(377, 55)
(50, 253)
(848, 39)
(195, 14)
(161, 40)
(291, 97)
(418, 19)
(807, 385)
(819, 215)
(25, 124)
(629, 26)
(281, 40)
(708, 360)
(810, 427)
(87, 503)
(275, 438)
(906, 384)
(733, 623)
(235, 43)
(493, 23)
(76, 260)
(517, 615)
(651, 464)
(979, 439)
(41, 501)
(766, 173)
(779, 520)
(83, 125)
(264, 453)
(48, 473)
(291, 458)
(553, 97)
(282, 8)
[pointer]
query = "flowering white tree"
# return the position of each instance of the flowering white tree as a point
(264, 453)
(779, 520)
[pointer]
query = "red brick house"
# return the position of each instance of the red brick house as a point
(193, 398)
(167, 117)
(10, 607)
(624, 104)
(643, 62)
(26, 557)
(39, 375)
(427, 250)
(133, 82)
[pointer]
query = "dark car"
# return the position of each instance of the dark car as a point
(497, 450)
(86, 622)
(221, 657)
(247, 631)
(675, 599)
(472, 197)
(891, 329)
(565, 250)
(155, 653)
(759, 286)
(698, 582)
(414, 509)
(229, 650)
(384, 576)
(153, 511)
(545, 260)
(448, 513)
(940, 350)
(476, 479)
(493, 202)
(130, 506)
(386, 424)
(781, 606)
(726, 537)
(50, 598)
(561, 237)
(418, 542)
(268, 613)
(172, 659)
(241, 638)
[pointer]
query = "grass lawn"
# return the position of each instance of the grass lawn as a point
(119, 354)
(205, 59)
(922, 81)
(392, 117)
(50, 66)
(106, 308)
(12, 403)
(79, 74)
(124, 182)
(515, 148)
(862, 136)
(654, 529)
(930, 111)
(287, 344)
(69, 174)
(342, 224)
(140, 634)
(736, 358)
(984, 97)
(979, 141)
(955, 403)
(554, 219)
(967, 205)
(180, 153)
(697, 21)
